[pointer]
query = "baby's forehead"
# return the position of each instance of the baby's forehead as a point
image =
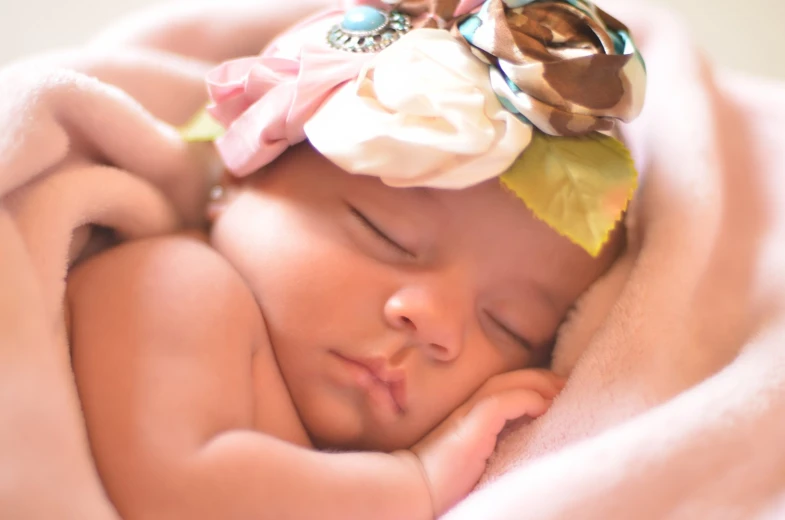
(487, 218)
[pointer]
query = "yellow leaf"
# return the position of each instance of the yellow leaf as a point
(202, 127)
(580, 186)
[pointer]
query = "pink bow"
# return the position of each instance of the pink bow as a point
(264, 101)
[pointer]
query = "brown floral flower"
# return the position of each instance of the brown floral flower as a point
(564, 65)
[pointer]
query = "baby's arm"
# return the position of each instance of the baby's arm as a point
(166, 339)
(164, 333)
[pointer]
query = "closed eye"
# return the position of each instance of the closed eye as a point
(365, 221)
(517, 338)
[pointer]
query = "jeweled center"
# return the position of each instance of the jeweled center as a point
(364, 19)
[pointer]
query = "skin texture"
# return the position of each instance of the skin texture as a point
(475, 286)
(204, 371)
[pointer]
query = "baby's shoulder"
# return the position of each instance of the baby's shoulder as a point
(179, 275)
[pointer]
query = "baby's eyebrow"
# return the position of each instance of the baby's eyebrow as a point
(542, 294)
(424, 194)
(423, 200)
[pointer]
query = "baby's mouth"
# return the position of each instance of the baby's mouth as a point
(391, 380)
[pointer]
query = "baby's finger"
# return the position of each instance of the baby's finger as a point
(488, 418)
(455, 455)
(544, 382)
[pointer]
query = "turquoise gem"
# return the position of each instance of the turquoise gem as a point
(363, 19)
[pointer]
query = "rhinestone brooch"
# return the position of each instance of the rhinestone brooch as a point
(366, 29)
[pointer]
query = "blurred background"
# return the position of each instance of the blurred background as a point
(745, 35)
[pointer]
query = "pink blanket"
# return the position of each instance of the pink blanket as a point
(676, 401)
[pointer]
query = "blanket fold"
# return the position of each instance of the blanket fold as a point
(676, 400)
(675, 407)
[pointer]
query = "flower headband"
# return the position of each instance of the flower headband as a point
(448, 94)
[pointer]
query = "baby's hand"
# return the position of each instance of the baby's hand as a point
(454, 455)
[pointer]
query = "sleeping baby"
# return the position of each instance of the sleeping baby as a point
(414, 201)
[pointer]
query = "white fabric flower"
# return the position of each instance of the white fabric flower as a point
(421, 113)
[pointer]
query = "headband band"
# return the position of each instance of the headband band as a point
(448, 94)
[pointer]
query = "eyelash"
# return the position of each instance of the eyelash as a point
(365, 221)
(515, 337)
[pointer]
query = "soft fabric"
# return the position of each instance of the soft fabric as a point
(430, 93)
(675, 406)
(87, 139)
(421, 114)
(566, 66)
(676, 401)
(264, 101)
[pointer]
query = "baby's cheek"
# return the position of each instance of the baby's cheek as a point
(274, 410)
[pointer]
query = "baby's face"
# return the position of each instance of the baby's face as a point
(386, 307)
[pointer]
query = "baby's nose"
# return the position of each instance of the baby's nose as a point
(435, 323)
